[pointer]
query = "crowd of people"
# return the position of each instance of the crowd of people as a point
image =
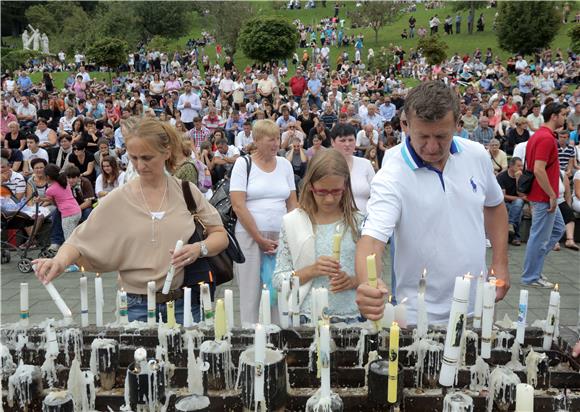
(301, 147)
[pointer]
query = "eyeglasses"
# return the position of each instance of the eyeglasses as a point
(324, 192)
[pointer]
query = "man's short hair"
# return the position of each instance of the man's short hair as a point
(34, 137)
(221, 142)
(72, 171)
(551, 109)
(342, 130)
(248, 123)
(196, 119)
(431, 101)
(513, 161)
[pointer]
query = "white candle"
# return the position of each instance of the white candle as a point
(524, 398)
(455, 330)
(401, 314)
(58, 300)
(205, 301)
(325, 361)
(51, 341)
(266, 317)
(229, 301)
(171, 271)
(478, 310)
(487, 318)
(313, 306)
(388, 314)
(295, 301)
(522, 315)
(187, 315)
(99, 300)
(24, 312)
(422, 318)
(551, 318)
(322, 301)
(151, 303)
(84, 302)
(123, 309)
(283, 304)
(259, 359)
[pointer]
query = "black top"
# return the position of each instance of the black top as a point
(84, 165)
(14, 143)
(507, 183)
(514, 138)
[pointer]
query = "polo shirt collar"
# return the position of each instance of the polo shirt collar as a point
(415, 162)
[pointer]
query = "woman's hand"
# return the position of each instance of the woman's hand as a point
(342, 282)
(48, 269)
(326, 266)
(187, 255)
(267, 245)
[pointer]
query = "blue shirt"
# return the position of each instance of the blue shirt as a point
(464, 133)
(24, 82)
(388, 111)
(315, 85)
(522, 80)
(574, 137)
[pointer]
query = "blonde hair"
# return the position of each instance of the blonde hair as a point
(325, 163)
(158, 135)
(265, 127)
(186, 146)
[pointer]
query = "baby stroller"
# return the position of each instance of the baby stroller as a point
(16, 217)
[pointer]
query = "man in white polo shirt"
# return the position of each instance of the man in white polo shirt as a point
(439, 197)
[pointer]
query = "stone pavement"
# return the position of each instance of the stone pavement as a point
(561, 267)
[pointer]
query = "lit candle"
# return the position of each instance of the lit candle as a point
(455, 330)
(219, 326)
(478, 310)
(84, 302)
(336, 239)
(295, 301)
(171, 271)
(205, 299)
(524, 398)
(58, 300)
(151, 303)
(325, 361)
(123, 310)
(551, 318)
(99, 300)
(24, 312)
(487, 318)
(283, 304)
(372, 277)
(229, 302)
(422, 319)
(259, 359)
(401, 314)
(266, 317)
(187, 315)
(393, 362)
(388, 314)
(522, 315)
(170, 306)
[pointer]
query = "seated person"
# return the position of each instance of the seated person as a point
(297, 156)
(34, 151)
(14, 157)
(110, 178)
(498, 157)
(224, 158)
(508, 181)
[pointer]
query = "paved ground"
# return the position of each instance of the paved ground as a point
(562, 267)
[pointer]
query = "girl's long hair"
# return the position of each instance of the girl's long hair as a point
(52, 171)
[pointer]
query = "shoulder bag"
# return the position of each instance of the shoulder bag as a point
(525, 181)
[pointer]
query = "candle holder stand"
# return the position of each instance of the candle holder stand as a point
(192, 403)
(146, 387)
(218, 356)
(58, 402)
(378, 380)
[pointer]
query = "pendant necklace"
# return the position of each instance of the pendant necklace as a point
(154, 215)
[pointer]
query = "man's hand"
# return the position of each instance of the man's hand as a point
(553, 205)
(501, 273)
(371, 300)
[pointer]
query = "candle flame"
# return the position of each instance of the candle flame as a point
(122, 290)
(403, 301)
(210, 277)
(98, 274)
(492, 273)
(338, 228)
(556, 287)
(497, 282)
(82, 269)
(390, 298)
(201, 283)
(469, 276)
(264, 286)
(424, 275)
(395, 323)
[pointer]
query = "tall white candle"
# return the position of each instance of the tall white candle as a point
(24, 312)
(266, 316)
(322, 301)
(325, 361)
(524, 398)
(478, 310)
(171, 271)
(401, 313)
(259, 360)
(99, 300)
(187, 315)
(551, 318)
(229, 301)
(123, 309)
(151, 303)
(455, 330)
(388, 314)
(205, 302)
(295, 300)
(522, 315)
(66, 312)
(313, 306)
(84, 302)
(283, 304)
(487, 318)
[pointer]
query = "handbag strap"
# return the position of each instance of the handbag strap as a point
(188, 196)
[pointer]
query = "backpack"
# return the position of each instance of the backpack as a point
(203, 176)
(222, 202)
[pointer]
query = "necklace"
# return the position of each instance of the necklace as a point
(154, 215)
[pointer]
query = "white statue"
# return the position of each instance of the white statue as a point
(44, 42)
(34, 38)
(25, 40)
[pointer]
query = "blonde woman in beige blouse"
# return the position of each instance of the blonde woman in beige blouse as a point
(134, 229)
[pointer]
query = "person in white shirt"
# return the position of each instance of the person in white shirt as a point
(226, 86)
(244, 138)
(86, 76)
(33, 152)
(292, 132)
(189, 105)
(366, 137)
(224, 158)
(438, 196)
(26, 113)
(535, 119)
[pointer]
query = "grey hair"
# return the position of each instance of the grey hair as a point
(431, 101)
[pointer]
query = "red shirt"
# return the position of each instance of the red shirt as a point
(298, 85)
(543, 146)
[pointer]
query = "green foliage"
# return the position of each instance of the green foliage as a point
(469, 5)
(434, 49)
(77, 31)
(160, 43)
(523, 27)
(376, 15)
(41, 17)
(18, 58)
(163, 18)
(226, 20)
(108, 52)
(267, 39)
(382, 60)
(574, 34)
(116, 19)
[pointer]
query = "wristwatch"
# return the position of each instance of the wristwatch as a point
(203, 249)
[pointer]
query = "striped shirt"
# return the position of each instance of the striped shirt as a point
(16, 183)
(198, 136)
(564, 155)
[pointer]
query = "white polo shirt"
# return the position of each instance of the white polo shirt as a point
(436, 219)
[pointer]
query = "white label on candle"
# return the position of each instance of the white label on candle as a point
(522, 315)
(487, 319)
(325, 361)
(151, 303)
(24, 312)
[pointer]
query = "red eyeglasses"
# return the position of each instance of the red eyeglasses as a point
(324, 192)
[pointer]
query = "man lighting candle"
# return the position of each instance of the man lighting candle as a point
(439, 198)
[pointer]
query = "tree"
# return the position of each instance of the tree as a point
(434, 49)
(267, 39)
(523, 27)
(18, 58)
(119, 20)
(376, 15)
(109, 52)
(226, 19)
(382, 60)
(574, 34)
(163, 18)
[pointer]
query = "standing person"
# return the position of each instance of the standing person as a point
(412, 192)
(457, 23)
(412, 23)
(547, 222)
(259, 206)
(298, 85)
(189, 105)
(480, 23)
(470, 18)
(149, 213)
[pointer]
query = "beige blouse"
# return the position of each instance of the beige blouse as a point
(117, 236)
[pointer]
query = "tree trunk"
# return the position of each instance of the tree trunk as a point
(376, 29)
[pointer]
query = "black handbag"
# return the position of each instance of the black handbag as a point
(222, 264)
(525, 181)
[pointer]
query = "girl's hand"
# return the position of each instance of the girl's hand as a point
(326, 266)
(48, 269)
(341, 282)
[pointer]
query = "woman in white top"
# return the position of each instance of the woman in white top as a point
(110, 178)
(65, 124)
(361, 169)
(156, 87)
(260, 199)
